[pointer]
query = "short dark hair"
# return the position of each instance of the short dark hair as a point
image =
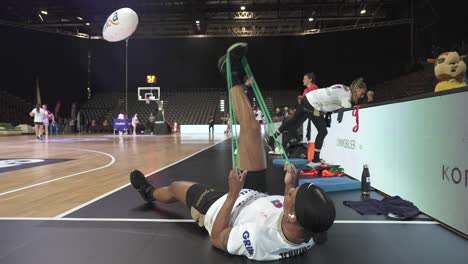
(311, 76)
(246, 78)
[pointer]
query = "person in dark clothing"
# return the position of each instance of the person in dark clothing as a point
(211, 122)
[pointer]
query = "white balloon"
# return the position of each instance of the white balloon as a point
(120, 25)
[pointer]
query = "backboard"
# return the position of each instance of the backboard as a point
(148, 92)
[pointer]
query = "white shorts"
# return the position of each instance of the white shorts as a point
(45, 121)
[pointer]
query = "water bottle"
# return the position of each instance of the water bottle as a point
(365, 181)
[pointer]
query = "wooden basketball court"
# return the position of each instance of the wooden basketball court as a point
(94, 165)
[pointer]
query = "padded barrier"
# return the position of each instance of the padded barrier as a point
(333, 184)
(280, 162)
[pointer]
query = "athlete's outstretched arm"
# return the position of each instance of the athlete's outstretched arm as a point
(221, 229)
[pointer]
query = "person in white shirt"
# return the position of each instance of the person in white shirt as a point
(245, 221)
(38, 113)
(258, 115)
(322, 101)
(135, 123)
(45, 120)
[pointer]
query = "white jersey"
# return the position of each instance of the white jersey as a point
(256, 227)
(38, 116)
(331, 98)
(258, 115)
(135, 121)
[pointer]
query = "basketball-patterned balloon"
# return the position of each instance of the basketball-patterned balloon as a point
(120, 25)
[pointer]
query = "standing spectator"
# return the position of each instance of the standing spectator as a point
(227, 119)
(45, 120)
(93, 126)
(370, 97)
(135, 123)
(58, 124)
(54, 127)
(64, 125)
(211, 122)
(258, 115)
(38, 114)
(72, 125)
(278, 116)
(151, 120)
(285, 112)
(105, 126)
(309, 82)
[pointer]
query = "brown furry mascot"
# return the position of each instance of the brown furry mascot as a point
(449, 69)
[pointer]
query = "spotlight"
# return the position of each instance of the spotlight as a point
(87, 24)
(44, 12)
(242, 8)
(197, 22)
(42, 19)
(363, 11)
(311, 19)
(79, 18)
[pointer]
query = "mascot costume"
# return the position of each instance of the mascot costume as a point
(449, 69)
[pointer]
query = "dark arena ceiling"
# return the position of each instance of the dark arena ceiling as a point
(221, 18)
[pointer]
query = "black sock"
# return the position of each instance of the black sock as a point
(149, 192)
(316, 156)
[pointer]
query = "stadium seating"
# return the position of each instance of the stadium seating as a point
(183, 107)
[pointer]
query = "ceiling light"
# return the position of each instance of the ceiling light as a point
(363, 11)
(311, 19)
(242, 8)
(87, 24)
(44, 12)
(79, 18)
(197, 22)
(42, 19)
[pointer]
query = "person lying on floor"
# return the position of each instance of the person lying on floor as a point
(245, 221)
(250, 223)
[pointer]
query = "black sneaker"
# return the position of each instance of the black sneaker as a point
(139, 182)
(236, 51)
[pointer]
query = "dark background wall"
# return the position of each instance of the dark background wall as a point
(277, 62)
(181, 64)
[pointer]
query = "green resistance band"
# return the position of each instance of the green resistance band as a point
(261, 102)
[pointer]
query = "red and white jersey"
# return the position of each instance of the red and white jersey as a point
(309, 89)
(256, 227)
(331, 98)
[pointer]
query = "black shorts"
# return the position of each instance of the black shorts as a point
(38, 123)
(198, 199)
(256, 180)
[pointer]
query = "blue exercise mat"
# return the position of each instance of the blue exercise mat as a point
(280, 162)
(333, 184)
